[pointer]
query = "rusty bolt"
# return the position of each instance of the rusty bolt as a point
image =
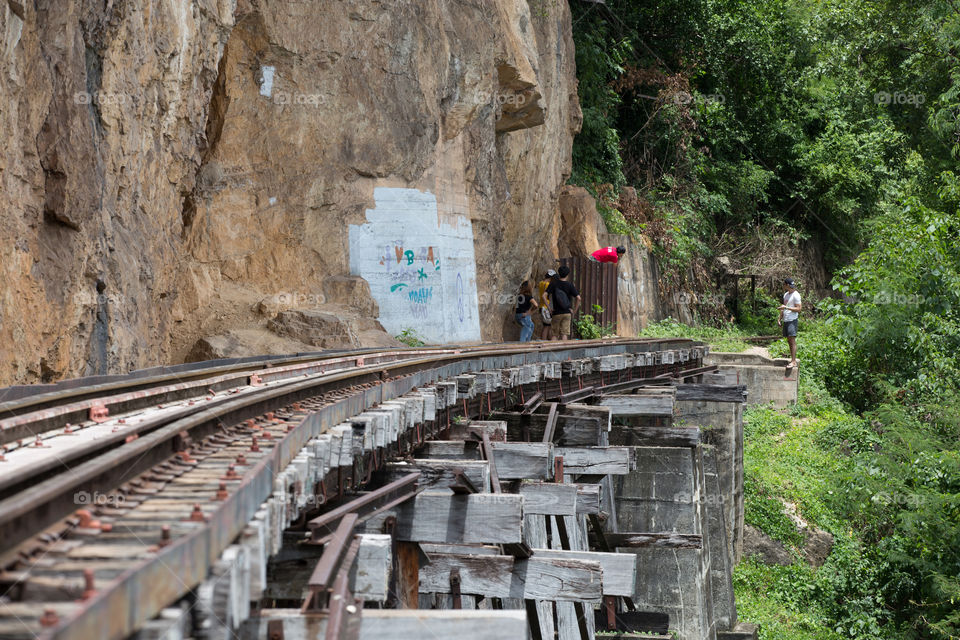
(197, 514)
(266, 435)
(251, 423)
(185, 456)
(241, 459)
(86, 520)
(89, 589)
(130, 438)
(221, 492)
(68, 428)
(254, 447)
(269, 415)
(49, 618)
(231, 472)
(164, 536)
(106, 527)
(38, 442)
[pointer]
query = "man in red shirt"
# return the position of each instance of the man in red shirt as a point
(608, 254)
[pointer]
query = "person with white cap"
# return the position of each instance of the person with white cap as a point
(789, 317)
(546, 320)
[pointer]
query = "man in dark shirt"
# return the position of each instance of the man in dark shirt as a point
(566, 302)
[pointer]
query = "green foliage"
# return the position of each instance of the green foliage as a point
(410, 338)
(588, 328)
(726, 338)
(838, 119)
(886, 484)
(779, 599)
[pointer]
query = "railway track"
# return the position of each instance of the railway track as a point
(117, 499)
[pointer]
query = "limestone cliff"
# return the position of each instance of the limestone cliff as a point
(176, 174)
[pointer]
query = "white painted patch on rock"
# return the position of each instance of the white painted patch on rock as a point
(422, 273)
(266, 85)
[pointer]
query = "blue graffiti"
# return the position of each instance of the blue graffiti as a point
(423, 295)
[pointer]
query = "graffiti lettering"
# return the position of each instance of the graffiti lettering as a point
(419, 302)
(421, 295)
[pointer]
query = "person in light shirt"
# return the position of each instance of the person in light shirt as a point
(788, 318)
(608, 254)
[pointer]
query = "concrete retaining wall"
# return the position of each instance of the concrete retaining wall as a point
(765, 378)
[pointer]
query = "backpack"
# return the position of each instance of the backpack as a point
(560, 299)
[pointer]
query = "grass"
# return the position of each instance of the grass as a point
(797, 456)
(727, 338)
(770, 598)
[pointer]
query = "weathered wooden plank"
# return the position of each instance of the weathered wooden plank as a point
(439, 474)
(461, 549)
(659, 540)
(450, 450)
(455, 519)
(398, 624)
(569, 431)
(588, 498)
(712, 393)
(652, 436)
(639, 405)
(619, 569)
(595, 460)
(509, 577)
(370, 574)
(535, 535)
(519, 460)
(549, 498)
(496, 429)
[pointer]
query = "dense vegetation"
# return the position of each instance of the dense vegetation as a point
(757, 127)
(749, 123)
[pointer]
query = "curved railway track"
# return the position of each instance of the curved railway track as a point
(107, 488)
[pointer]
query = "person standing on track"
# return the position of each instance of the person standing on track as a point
(566, 302)
(789, 317)
(525, 306)
(546, 318)
(607, 254)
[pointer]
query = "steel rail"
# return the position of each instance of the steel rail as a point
(24, 514)
(132, 382)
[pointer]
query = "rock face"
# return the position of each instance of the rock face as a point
(582, 231)
(770, 551)
(177, 174)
